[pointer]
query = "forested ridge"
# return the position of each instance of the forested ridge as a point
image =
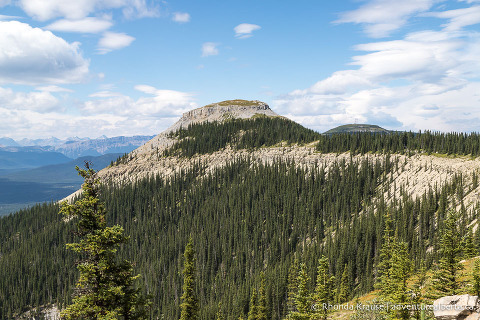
(245, 219)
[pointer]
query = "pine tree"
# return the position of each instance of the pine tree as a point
(324, 290)
(303, 299)
(105, 289)
(189, 306)
(418, 298)
(476, 278)
(262, 299)
(344, 288)
(252, 310)
(220, 315)
(400, 272)
(446, 277)
(384, 266)
(292, 286)
(468, 244)
(394, 270)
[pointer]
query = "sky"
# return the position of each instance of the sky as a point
(89, 68)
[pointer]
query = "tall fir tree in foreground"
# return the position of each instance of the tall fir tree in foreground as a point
(105, 289)
(189, 306)
(446, 278)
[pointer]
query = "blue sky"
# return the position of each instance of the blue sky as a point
(125, 67)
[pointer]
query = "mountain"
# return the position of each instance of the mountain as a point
(75, 147)
(8, 142)
(21, 158)
(255, 192)
(24, 188)
(352, 128)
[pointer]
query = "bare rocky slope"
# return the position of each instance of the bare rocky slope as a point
(415, 174)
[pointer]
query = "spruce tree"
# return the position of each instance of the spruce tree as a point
(324, 289)
(468, 244)
(105, 289)
(189, 306)
(252, 310)
(292, 286)
(303, 299)
(476, 278)
(446, 277)
(344, 287)
(262, 299)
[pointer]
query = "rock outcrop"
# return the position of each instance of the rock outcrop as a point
(461, 307)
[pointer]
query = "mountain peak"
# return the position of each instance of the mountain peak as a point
(224, 110)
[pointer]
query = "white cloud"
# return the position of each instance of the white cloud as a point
(159, 103)
(36, 101)
(426, 80)
(113, 41)
(44, 10)
(32, 114)
(209, 49)
(459, 18)
(53, 88)
(181, 17)
(244, 30)
(34, 56)
(381, 17)
(85, 25)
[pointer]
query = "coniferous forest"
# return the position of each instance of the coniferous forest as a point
(252, 225)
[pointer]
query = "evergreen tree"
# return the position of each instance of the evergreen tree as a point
(252, 310)
(220, 315)
(189, 306)
(303, 299)
(324, 290)
(418, 298)
(446, 276)
(344, 287)
(262, 299)
(384, 266)
(476, 278)
(394, 270)
(292, 286)
(105, 289)
(468, 244)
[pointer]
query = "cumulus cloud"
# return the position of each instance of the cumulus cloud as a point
(85, 25)
(29, 113)
(40, 101)
(34, 56)
(44, 10)
(160, 103)
(244, 30)
(381, 17)
(209, 49)
(426, 80)
(181, 17)
(113, 41)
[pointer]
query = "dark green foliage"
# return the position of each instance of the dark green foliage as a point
(402, 142)
(105, 289)
(253, 306)
(344, 287)
(468, 244)
(261, 131)
(446, 276)
(476, 278)
(324, 290)
(244, 218)
(189, 306)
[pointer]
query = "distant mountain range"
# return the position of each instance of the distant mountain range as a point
(74, 147)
